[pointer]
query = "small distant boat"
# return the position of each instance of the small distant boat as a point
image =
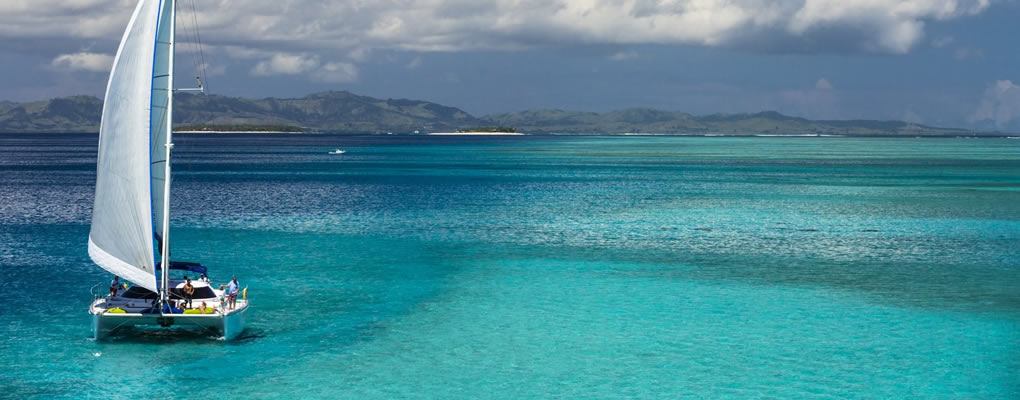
(338, 151)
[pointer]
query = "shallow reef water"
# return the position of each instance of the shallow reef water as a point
(539, 267)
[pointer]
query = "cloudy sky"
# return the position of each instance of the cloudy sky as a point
(940, 62)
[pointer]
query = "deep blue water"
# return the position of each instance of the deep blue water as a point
(531, 267)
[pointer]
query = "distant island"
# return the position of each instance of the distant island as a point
(347, 113)
(481, 130)
(489, 129)
(203, 128)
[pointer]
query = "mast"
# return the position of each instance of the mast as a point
(165, 251)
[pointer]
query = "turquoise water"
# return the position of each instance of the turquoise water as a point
(527, 267)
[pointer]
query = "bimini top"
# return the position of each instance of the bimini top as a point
(185, 266)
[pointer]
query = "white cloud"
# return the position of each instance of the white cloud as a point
(1001, 104)
(360, 54)
(286, 64)
(336, 72)
(446, 25)
(623, 55)
(83, 61)
(242, 53)
(308, 66)
(823, 84)
(212, 70)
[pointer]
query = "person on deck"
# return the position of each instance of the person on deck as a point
(203, 308)
(114, 285)
(232, 288)
(203, 279)
(189, 293)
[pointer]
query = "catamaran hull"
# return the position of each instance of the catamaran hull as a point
(233, 324)
(229, 326)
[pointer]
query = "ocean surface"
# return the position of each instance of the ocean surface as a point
(537, 267)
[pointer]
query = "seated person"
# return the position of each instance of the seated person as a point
(114, 285)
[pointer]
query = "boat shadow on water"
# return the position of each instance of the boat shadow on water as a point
(153, 335)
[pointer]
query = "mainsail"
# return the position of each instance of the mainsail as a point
(132, 162)
(161, 115)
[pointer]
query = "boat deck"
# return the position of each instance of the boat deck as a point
(136, 307)
(112, 315)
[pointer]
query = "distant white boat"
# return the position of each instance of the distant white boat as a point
(129, 235)
(338, 151)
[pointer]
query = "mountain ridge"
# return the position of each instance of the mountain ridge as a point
(658, 121)
(348, 113)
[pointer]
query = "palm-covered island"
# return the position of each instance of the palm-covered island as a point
(490, 129)
(482, 130)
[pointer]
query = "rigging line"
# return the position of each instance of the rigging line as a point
(190, 37)
(191, 42)
(162, 120)
(198, 36)
(162, 116)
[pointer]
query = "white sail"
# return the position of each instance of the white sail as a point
(161, 115)
(121, 239)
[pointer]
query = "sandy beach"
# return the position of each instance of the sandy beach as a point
(475, 133)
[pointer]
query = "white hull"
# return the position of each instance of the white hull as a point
(229, 324)
(233, 323)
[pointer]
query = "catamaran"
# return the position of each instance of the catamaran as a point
(130, 233)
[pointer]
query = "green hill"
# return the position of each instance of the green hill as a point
(338, 112)
(344, 112)
(65, 114)
(640, 120)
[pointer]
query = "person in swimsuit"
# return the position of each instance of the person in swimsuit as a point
(189, 293)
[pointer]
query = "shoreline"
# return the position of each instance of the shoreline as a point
(569, 134)
(474, 134)
(240, 132)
